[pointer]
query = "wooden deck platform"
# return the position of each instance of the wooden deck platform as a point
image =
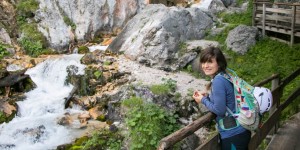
(288, 136)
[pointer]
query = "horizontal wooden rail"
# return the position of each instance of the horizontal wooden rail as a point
(265, 81)
(291, 77)
(177, 136)
(290, 99)
(283, 31)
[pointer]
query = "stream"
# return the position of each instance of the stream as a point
(35, 125)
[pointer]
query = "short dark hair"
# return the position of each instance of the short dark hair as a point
(214, 52)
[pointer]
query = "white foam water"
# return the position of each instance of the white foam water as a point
(35, 127)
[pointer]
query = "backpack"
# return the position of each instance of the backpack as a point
(247, 100)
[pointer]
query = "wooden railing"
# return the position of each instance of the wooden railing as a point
(269, 126)
(281, 18)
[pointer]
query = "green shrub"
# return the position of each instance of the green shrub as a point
(182, 48)
(25, 7)
(133, 102)
(83, 49)
(168, 86)
(147, 124)
(160, 89)
(239, 18)
(2, 117)
(32, 41)
(32, 48)
(98, 74)
(3, 51)
(104, 139)
(69, 22)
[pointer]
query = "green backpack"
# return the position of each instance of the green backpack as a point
(247, 107)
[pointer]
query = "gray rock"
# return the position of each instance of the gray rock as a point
(67, 21)
(241, 38)
(156, 33)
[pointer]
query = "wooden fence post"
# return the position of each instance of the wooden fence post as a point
(275, 84)
(264, 20)
(254, 13)
(293, 24)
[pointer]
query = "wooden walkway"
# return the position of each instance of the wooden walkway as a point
(283, 18)
(288, 136)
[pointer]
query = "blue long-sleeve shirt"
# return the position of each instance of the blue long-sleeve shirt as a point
(222, 95)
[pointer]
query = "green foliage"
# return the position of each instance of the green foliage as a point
(170, 83)
(106, 63)
(147, 124)
(160, 89)
(267, 57)
(83, 49)
(189, 68)
(182, 48)
(3, 51)
(27, 5)
(104, 139)
(26, 9)
(101, 118)
(32, 48)
(98, 74)
(239, 18)
(33, 41)
(133, 102)
(168, 86)
(177, 95)
(69, 22)
(2, 117)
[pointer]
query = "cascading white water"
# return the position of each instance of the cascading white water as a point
(35, 127)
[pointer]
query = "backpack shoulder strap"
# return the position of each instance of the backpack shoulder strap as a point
(230, 75)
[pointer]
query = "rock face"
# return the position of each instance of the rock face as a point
(156, 35)
(241, 38)
(64, 22)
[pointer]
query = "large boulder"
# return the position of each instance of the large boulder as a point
(156, 36)
(241, 38)
(63, 22)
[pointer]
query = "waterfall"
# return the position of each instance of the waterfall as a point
(35, 127)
